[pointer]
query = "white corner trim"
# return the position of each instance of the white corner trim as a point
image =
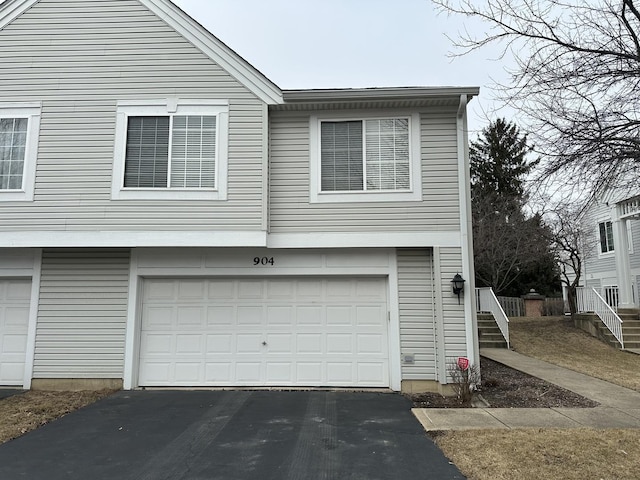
(211, 46)
(30, 349)
(364, 239)
(132, 337)
(464, 183)
(74, 239)
(315, 168)
(395, 368)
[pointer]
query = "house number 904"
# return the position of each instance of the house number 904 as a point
(263, 261)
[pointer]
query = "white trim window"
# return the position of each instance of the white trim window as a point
(605, 230)
(365, 159)
(171, 150)
(19, 128)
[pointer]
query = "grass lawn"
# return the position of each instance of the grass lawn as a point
(554, 453)
(22, 413)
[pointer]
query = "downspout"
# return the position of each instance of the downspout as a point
(466, 235)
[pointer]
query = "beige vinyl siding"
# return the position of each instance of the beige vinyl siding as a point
(415, 295)
(455, 341)
(82, 314)
(79, 58)
(291, 212)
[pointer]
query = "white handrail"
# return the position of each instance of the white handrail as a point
(589, 300)
(487, 302)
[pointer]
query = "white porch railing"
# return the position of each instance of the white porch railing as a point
(589, 300)
(486, 301)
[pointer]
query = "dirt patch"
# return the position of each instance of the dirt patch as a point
(504, 387)
(22, 413)
(544, 454)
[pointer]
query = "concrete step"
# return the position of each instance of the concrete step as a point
(487, 344)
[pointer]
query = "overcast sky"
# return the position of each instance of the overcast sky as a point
(351, 43)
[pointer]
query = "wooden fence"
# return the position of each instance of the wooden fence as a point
(512, 306)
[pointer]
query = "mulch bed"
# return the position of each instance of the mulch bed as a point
(504, 387)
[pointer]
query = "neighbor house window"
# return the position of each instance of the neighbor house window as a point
(365, 159)
(178, 154)
(606, 237)
(19, 126)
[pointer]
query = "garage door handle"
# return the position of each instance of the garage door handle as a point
(264, 343)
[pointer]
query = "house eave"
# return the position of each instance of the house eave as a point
(379, 97)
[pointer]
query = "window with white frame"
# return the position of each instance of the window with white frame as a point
(606, 236)
(19, 127)
(170, 149)
(366, 159)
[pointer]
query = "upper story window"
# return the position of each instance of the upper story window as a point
(171, 150)
(19, 127)
(606, 236)
(367, 159)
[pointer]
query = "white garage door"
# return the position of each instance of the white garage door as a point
(15, 297)
(275, 331)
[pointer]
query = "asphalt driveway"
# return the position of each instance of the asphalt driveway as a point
(154, 435)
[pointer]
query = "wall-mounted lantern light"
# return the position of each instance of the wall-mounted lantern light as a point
(458, 285)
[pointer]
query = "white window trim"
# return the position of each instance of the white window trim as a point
(171, 106)
(414, 194)
(609, 253)
(32, 111)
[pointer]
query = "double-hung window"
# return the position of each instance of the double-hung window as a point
(19, 127)
(606, 237)
(367, 159)
(171, 151)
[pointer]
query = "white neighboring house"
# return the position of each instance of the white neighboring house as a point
(612, 267)
(170, 217)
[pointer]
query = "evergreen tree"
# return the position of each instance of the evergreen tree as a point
(511, 251)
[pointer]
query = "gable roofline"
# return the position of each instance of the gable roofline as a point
(11, 9)
(195, 33)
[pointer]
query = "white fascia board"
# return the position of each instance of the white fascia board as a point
(12, 10)
(71, 239)
(215, 49)
(365, 240)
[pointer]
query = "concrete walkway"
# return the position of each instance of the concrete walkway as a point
(619, 406)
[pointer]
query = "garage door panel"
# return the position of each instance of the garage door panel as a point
(222, 289)
(218, 373)
(189, 316)
(249, 373)
(279, 373)
(370, 315)
(219, 343)
(309, 343)
(15, 299)
(340, 315)
(268, 331)
(340, 343)
(160, 290)
(16, 317)
(249, 343)
(250, 289)
(158, 317)
(310, 315)
(189, 344)
(220, 315)
(250, 315)
(280, 315)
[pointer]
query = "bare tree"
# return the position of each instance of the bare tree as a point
(570, 240)
(575, 83)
